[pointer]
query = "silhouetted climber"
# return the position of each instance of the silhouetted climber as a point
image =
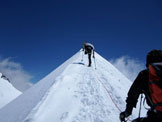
(5, 78)
(88, 49)
(149, 83)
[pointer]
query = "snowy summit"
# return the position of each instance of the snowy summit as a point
(73, 92)
(7, 91)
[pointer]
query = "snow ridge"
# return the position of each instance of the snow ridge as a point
(19, 108)
(78, 95)
(73, 92)
(7, 91)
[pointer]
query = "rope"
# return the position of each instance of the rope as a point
(109, 95)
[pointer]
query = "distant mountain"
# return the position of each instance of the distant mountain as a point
(7, 91)
(73, 92)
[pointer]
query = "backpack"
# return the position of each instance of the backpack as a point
(88, 49)
(155, 84)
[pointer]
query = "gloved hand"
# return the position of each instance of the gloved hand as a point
(93, 56)
(123, 115)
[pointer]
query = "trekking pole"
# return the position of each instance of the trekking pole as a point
(82, 56)
(95, 62)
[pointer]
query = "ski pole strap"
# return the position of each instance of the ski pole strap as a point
(148, 97)
(144, 104)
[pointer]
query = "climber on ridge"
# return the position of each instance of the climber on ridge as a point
(88, 49)
(148, 82)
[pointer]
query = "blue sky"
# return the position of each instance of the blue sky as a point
(40, 35)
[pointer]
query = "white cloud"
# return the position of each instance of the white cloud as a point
(16, 74)
(128, 66)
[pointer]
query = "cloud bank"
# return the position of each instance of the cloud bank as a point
(16, 74)
(128, 66)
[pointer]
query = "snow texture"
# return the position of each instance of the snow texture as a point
(73, 92)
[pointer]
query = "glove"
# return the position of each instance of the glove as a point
(126, 113)
(123, 115)
(93, 56)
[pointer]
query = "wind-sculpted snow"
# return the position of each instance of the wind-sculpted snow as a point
(75, 93)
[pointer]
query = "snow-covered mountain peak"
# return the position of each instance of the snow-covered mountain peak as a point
(7, 91)
(73, 92)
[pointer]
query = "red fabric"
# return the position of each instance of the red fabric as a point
(155, 90)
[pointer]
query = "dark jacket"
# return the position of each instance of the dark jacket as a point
(139, 86)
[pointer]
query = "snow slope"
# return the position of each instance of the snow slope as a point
(73, 93)
(7, 92)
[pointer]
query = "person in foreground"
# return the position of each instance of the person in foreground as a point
(149, 83)
(88, 49)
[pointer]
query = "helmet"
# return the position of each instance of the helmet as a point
(154, 56)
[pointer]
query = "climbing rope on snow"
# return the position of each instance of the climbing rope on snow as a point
(109, 94)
